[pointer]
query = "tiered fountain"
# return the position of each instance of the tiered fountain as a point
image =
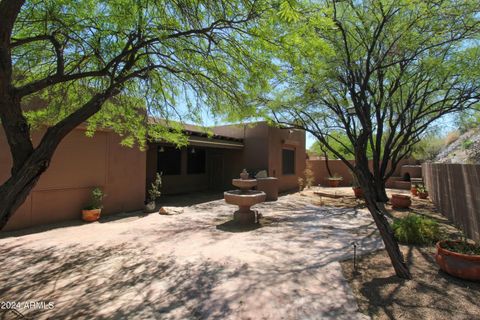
(244, 198)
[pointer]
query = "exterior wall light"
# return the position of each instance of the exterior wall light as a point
(351, 111)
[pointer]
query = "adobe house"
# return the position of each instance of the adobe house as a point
(208, 163)
(212, 163)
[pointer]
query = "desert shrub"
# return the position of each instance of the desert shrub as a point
(415, 229)
(96, 197)
(301, 184)
(154, 190)
(451, 137)
(309, 175)
(462, 247)
(466, 144)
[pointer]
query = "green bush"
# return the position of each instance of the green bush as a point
(415, 229)
(466, 144)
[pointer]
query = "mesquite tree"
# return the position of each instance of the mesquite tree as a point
(380, 72)
(113, 63)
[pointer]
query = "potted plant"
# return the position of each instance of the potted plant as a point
(400, 201)
(422, 192)
(153, 194)
(92, 212)
(357, 190)
(334, 180)
(414, 190)
(459, 258)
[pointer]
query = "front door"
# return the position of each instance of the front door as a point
(215, 172)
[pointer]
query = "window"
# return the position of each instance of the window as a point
(288, 161)
(195, 161)
(169, 160)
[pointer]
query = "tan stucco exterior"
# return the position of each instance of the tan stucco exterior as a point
(79, 164)
(262, 150)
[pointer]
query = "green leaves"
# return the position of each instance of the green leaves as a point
(287, 11)
(169, 59)
(401, 65)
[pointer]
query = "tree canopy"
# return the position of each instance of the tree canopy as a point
(169, 58)
(379, 72)
(117, 63)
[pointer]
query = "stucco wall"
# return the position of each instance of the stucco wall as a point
(255, 154)
(79, 164)
(293, 140)
(455, 190)
(337, 166)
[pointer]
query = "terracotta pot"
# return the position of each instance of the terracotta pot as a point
(458, 264)
(91, 215)
(400, 201)
(334, 182)
(414, 191)
(358, 192)
(423, 195)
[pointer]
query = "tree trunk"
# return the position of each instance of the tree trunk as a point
(326, 164)
(381, 193)
(370, 192)
(16, 189)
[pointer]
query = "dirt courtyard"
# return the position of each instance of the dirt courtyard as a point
(193, 265)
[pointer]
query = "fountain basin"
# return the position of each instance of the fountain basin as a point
(244, 198)
(244, 184)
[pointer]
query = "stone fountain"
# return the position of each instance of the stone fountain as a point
(244, 198)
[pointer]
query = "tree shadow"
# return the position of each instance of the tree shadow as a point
(431, 294)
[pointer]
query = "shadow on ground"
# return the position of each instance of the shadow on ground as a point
(432, 294)
(188, 267)
(118, 282)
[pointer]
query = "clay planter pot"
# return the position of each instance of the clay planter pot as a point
(358, 192)
(91, 215)
(414, 191)
(400, 201)
(458, 264)
(333, 183)
(423, 195)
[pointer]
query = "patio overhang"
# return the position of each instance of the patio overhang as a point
(215, 142)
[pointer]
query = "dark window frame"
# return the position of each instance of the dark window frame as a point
(171, 156)
(288, 158)
(199, 166)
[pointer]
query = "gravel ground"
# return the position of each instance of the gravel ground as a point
(193, 265)
(432, 294)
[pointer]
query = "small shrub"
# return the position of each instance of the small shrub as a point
(309, 176)
(462, 247)
(421, 188)
(336, 176)
(452, 137)
(466, 144)
(154, 190)
(415, 229)
(96, 198)
(301, 184)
